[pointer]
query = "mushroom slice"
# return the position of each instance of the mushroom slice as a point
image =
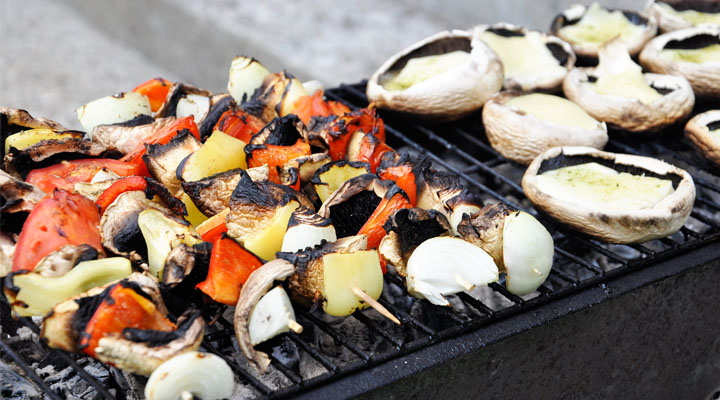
(588, 28)
(442, 191)
(18, 196)
(307, 229)
(532, 60)
(120, 107)
(33, 293)
(616, 198)
(50, 152)
(406, 229)
(125, 137)
(259, 215)
(246, 76)
(675, 15)
(328, 178)
(352, 204)
(7, 252)
(13, 121)
(272, 315)
(691, 53)
(618, 93)
(703, 133)
(177, 91)
(24, 139)
(205, 110)
(211, 195)
(301, 170)
(443, 77)
(275, 97)
(259, 282)
(162, 160)
(192, 374)
(518, 243)
(521, 126)
(164, 237)
(446, 265)
(282, 131)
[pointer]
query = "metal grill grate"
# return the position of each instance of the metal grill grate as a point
(332, 345)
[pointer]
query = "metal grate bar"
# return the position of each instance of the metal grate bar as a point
(705, 220)
(337, 336)
(245, 375)
(372, 325)
(407, 318)
(578, 260)
(503, 291)
(29, 371)
(315, 353)
(295, 378)
(476, 304)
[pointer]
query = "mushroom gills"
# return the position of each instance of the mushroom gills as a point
(525, 57)
(423, 68)
(599, 25)
(554, 109)
(702, 55)
(603, 188)
(694, 17)
(271, 316)
(202, 375)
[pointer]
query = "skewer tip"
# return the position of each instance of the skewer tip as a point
(464, 283)
(294, 326)
(374, 304)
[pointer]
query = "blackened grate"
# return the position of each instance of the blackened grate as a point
(331, 348)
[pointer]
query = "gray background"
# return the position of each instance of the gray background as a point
(58, 55)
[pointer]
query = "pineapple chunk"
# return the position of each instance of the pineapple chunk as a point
(25, 139)
(267, 240)
(344, 271)
(221, 152)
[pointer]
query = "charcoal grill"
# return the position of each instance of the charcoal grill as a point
(611, 320)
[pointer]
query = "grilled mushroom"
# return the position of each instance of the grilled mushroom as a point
(531, 60)
(521, 126)
(691, 53)
(275, 97)
(50, 152)
(124, 137)
(618, 93)
(212, 194)
(191, 375)
(13, 121)
(18, 199)
(206, 110)
(177, 92)
(616, 198)
(588, 28)
(328, 178)
(442, 191)
(282, 131)
(442, 77)
(702, 132)
(162, 160)
(673, 15)
(120, 107)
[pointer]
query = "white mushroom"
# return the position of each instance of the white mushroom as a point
(202, 375)
(681, 15)
(702, 132)
(441, 86)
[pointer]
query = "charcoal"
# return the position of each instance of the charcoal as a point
(13, 386)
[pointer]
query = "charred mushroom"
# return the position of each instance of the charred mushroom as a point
(521, 126)
(532, 60)
(442, 77)
(275, 97)
(179, 91)
(13, 121)
(673, 15)
(192, 374)
(588, 28)
(328, 178)
(282, 131)
(124, 137)
(120, 107)
(702, 132)
(212, 194)
(19, 198)
(162, 160)
(352, 204)
(616, 198)
(618, 93)
(48, 152)
(691, 53)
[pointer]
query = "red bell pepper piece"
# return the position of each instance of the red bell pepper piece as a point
(239, 124)
(213, 227)
(214, 233)
(341, 130)
(372, 150)
(118, 187)
(394, 200)
(67, 173)
(404, 177)
(62, 218)
(124, 308)
(156, 90)
(230, 267)
(275, 156)
(162, 136)
(306, 107)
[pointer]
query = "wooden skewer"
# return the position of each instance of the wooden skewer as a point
(294, 326)
(374, 304)
(186, 395)
(464, 283)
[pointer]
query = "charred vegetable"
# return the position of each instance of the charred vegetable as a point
(202, 375)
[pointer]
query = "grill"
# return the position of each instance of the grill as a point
(437, 346)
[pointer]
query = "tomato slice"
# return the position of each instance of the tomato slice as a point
(239, 124)
(374, 225)
(306, 107)
(67, 173)
(124, 308)
(62, 218)
(275, 156)
(163, 136)
(230, 267)
(156, 90)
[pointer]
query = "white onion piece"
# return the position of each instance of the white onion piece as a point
(193, 104)
(104, 175)
(203, 375)
(445, 265)
(293, 92)
(313, 86)
(527, 253)
(246, 75)
(112, 109)
(270, 316)
(301, 236)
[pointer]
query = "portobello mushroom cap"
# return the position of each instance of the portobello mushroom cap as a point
(13, 120)
(701, 75)
(633, 44)
(219, 103)
(520, 136)
(675, 103)
(701, 132)
(518, 45)
(448, 95)
(125, 137)
(673, 15)
(613, 225)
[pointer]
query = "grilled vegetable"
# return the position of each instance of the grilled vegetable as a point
(162, 136)
(246, 76)
(15, 121)
(202, 375)
(307, 107)
(67, 173)
(112, 109)
(395, 199)
(230, 266)
(307, 229)
(162, 235)
(446, 265)
(18, 198)
(219, 153)
(282, 131)
(60, 219)
(275, 156)
(331, 176)
(272, 315)
(405, 171)
(275, 97)
(177, 92)
(162, 160)
(35, 294)
(50, 152)
(24, 139)
(239, 124)
(342, 129)
(155, 90)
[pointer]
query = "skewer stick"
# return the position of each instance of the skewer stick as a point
(294, 326)
(186, 395)
(464, 283)
(374, 304)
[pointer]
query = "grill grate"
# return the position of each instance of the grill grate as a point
(333, 347)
